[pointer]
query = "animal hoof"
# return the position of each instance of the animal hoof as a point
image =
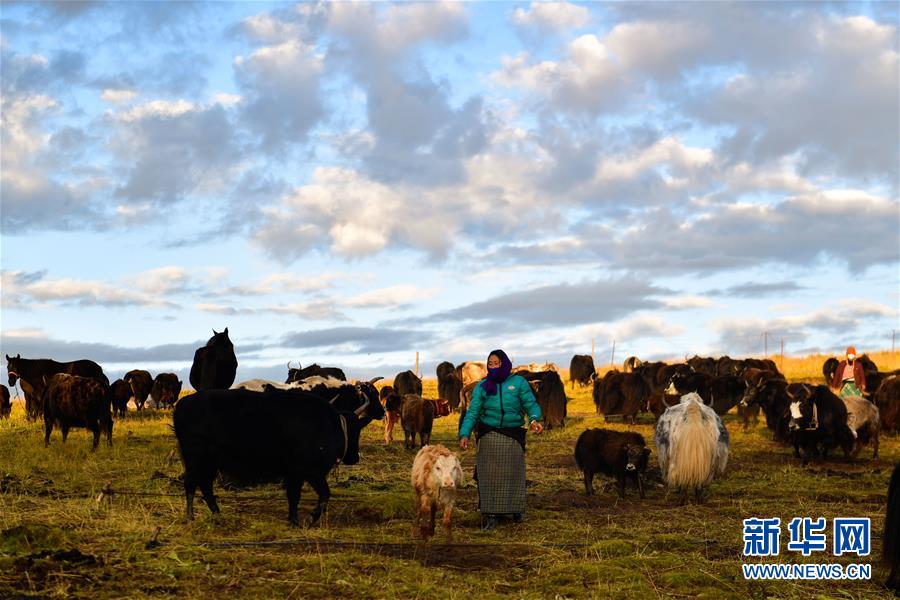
(489, 523)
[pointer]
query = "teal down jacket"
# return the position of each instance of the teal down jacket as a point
(504, 409)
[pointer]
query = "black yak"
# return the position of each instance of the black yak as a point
(75, 401)
(119, 395)
(416, 417)
(166, 390)
(617, 453)
(582, 370)
(449, 384)
(550, 394)
(31, 373)
(263, 437)
(141, 385)
(5, 404)
(407, 382)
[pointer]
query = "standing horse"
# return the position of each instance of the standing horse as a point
(215, 364)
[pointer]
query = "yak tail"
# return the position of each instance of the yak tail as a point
(692, 453)
(892, 520)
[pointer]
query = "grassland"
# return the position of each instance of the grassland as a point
(58, 541)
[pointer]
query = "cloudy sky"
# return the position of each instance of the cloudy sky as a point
(351, 183)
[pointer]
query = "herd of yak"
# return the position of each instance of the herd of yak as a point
(296, 432)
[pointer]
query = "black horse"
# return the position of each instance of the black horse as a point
(215, 364)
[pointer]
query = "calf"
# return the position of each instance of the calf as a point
(864, 423)
(166, 389)
(436, 475)
(5, 404)
(417, 417)
(75, 401)
(617, 453)
(391, 402)
(119, 395)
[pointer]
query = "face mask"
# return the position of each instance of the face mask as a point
(851, 356)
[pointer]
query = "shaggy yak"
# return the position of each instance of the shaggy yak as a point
(436, 475)
(692, 444)
(416, 416)
(619, 453)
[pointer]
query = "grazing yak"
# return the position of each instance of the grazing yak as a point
(215, 364)
(313, 370)
(623, 394)
(550, 394)
(874, 381)
(256, 437)
(119, 395)
(864, 423)
(407, 382)
(344, 395)
(416, 417)
(692, 445)
(774, 397)
(31, 373)
(818, 423)
(141, 385)
(5, 404)
(75, 401)
(622, 454)
(449, 384)
(391, 402)
(891, 537)
(436, 475)
(166, 390)
(887, 399)
(581, 370)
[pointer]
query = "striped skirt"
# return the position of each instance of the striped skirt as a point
(849, 389)
(500, 468)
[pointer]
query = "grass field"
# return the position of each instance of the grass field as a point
(58, 541)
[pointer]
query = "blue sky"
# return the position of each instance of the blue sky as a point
(351, 183)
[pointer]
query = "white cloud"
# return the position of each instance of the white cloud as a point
(118, 96)
(688, 302)
(553, 16)
(396, 295)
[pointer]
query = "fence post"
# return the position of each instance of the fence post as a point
(612, 358)
(417, 365)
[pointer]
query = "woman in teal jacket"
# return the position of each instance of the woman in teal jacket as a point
(495, 414)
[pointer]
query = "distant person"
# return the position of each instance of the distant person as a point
(849, 378)
(496, 411)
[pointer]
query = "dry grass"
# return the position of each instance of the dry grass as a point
(629, 548)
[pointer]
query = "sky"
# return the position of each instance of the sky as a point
(350, 183)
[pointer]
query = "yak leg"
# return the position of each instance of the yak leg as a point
(588, 483)
(640, 486)
(292, 487)
(431, 521)
(620, 480)
(107, 428)
(95, 429)
(875, 445)
(698, 494)
(190, 488)
(65, 431)
(320, 485)
(421, 510)
(48, 428)
(448, 514)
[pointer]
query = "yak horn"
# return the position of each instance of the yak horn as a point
(336, 396)
(361, 409)
(666, 404)
(289, 365)
(373, 380)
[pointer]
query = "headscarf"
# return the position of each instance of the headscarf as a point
(498, 375)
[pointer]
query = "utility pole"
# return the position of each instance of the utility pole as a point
(612, 358)
(593, 345)
(417, 364)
